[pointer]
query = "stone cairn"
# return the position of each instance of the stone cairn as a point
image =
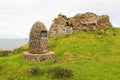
(79, 22)
(38, 44)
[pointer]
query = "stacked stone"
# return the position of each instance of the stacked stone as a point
(89, 21)
(58, 26)
(37, 44)
(103, 20)
(85, 21)
(39, 57)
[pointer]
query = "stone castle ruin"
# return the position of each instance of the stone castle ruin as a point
(79, 22)
(38, 44)
(58, 26)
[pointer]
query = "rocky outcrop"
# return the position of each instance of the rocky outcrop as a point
(79, 22)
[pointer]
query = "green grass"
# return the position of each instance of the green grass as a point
(91, 55)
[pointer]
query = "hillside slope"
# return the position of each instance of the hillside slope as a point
(87, 55)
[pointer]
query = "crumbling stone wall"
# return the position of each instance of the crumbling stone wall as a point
(85, 21)
(38, 44)
(58, 26)
(79, 22)
(103, 20)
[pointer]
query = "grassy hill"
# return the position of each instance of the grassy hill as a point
(87, 55)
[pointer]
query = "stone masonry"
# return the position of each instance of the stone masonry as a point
(39, 57)
(38, 44)
(58, 26)
(79, 22)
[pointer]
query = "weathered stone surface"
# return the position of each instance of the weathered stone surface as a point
(103, 20)
(68, 30)
(38, 44)
(38, 41)
(89, 21)
(39, 57)
(58, 26)
(86, 21)
(79, 22)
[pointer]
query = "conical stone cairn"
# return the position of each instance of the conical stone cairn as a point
(38, 44)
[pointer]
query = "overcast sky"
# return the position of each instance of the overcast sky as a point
(18, 16)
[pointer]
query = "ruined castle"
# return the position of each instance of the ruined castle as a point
(79, 22)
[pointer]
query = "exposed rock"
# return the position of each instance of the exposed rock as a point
(85, 21)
